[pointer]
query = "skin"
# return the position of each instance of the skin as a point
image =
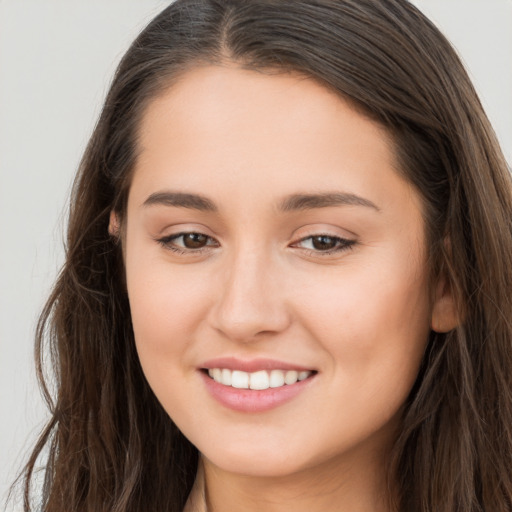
(260, 288)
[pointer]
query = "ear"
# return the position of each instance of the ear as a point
(444, 309)
(114, 226)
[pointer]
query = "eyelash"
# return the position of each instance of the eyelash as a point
(342, 244)
(166, 243)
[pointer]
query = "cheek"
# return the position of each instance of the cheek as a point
(374, 331)
(374, 324)
(166, 307)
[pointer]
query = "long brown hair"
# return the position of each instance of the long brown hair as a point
(109, 445)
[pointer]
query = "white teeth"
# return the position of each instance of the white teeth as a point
(226, 377)
(276, 378)
(259, 380)
(240, 379)
(291, 377)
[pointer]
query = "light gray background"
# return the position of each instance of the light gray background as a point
(56, 61)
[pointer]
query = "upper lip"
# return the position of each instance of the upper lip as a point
(252, 365)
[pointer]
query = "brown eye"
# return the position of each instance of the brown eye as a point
(194, 240)
(324, 243)
(188, 243)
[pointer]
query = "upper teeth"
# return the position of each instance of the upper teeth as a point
(262, 379)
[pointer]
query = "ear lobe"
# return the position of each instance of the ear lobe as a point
(444, 310)
(114, 226)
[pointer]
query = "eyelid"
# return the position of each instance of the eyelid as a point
(175, 236)
(342, 244)
(166, 243)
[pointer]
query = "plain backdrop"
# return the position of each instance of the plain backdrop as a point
(56, 60)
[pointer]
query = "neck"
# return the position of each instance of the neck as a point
(349, 485)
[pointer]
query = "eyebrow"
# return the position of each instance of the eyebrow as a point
(181, 200)
(298, 202)
(292, 203)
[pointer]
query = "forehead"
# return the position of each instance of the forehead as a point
(247, 140)
(248, 121)
(228, 94)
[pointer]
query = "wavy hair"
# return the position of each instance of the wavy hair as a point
(109, 445)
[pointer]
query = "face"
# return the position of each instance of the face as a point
(271, 244)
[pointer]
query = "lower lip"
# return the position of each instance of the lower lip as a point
(249, 400)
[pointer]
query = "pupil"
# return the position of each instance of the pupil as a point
(194, 240)
(323, 243)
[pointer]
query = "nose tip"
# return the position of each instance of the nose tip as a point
(250, 306)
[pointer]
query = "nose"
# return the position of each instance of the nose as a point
(252, 299)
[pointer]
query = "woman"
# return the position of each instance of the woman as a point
(288, 273)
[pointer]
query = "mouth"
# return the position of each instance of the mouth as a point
(256, 385)
(258, 380)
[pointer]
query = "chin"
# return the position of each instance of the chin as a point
(258, 463)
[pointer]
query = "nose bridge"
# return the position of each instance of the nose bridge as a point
(251, 302)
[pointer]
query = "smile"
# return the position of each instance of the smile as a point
(259, 380)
